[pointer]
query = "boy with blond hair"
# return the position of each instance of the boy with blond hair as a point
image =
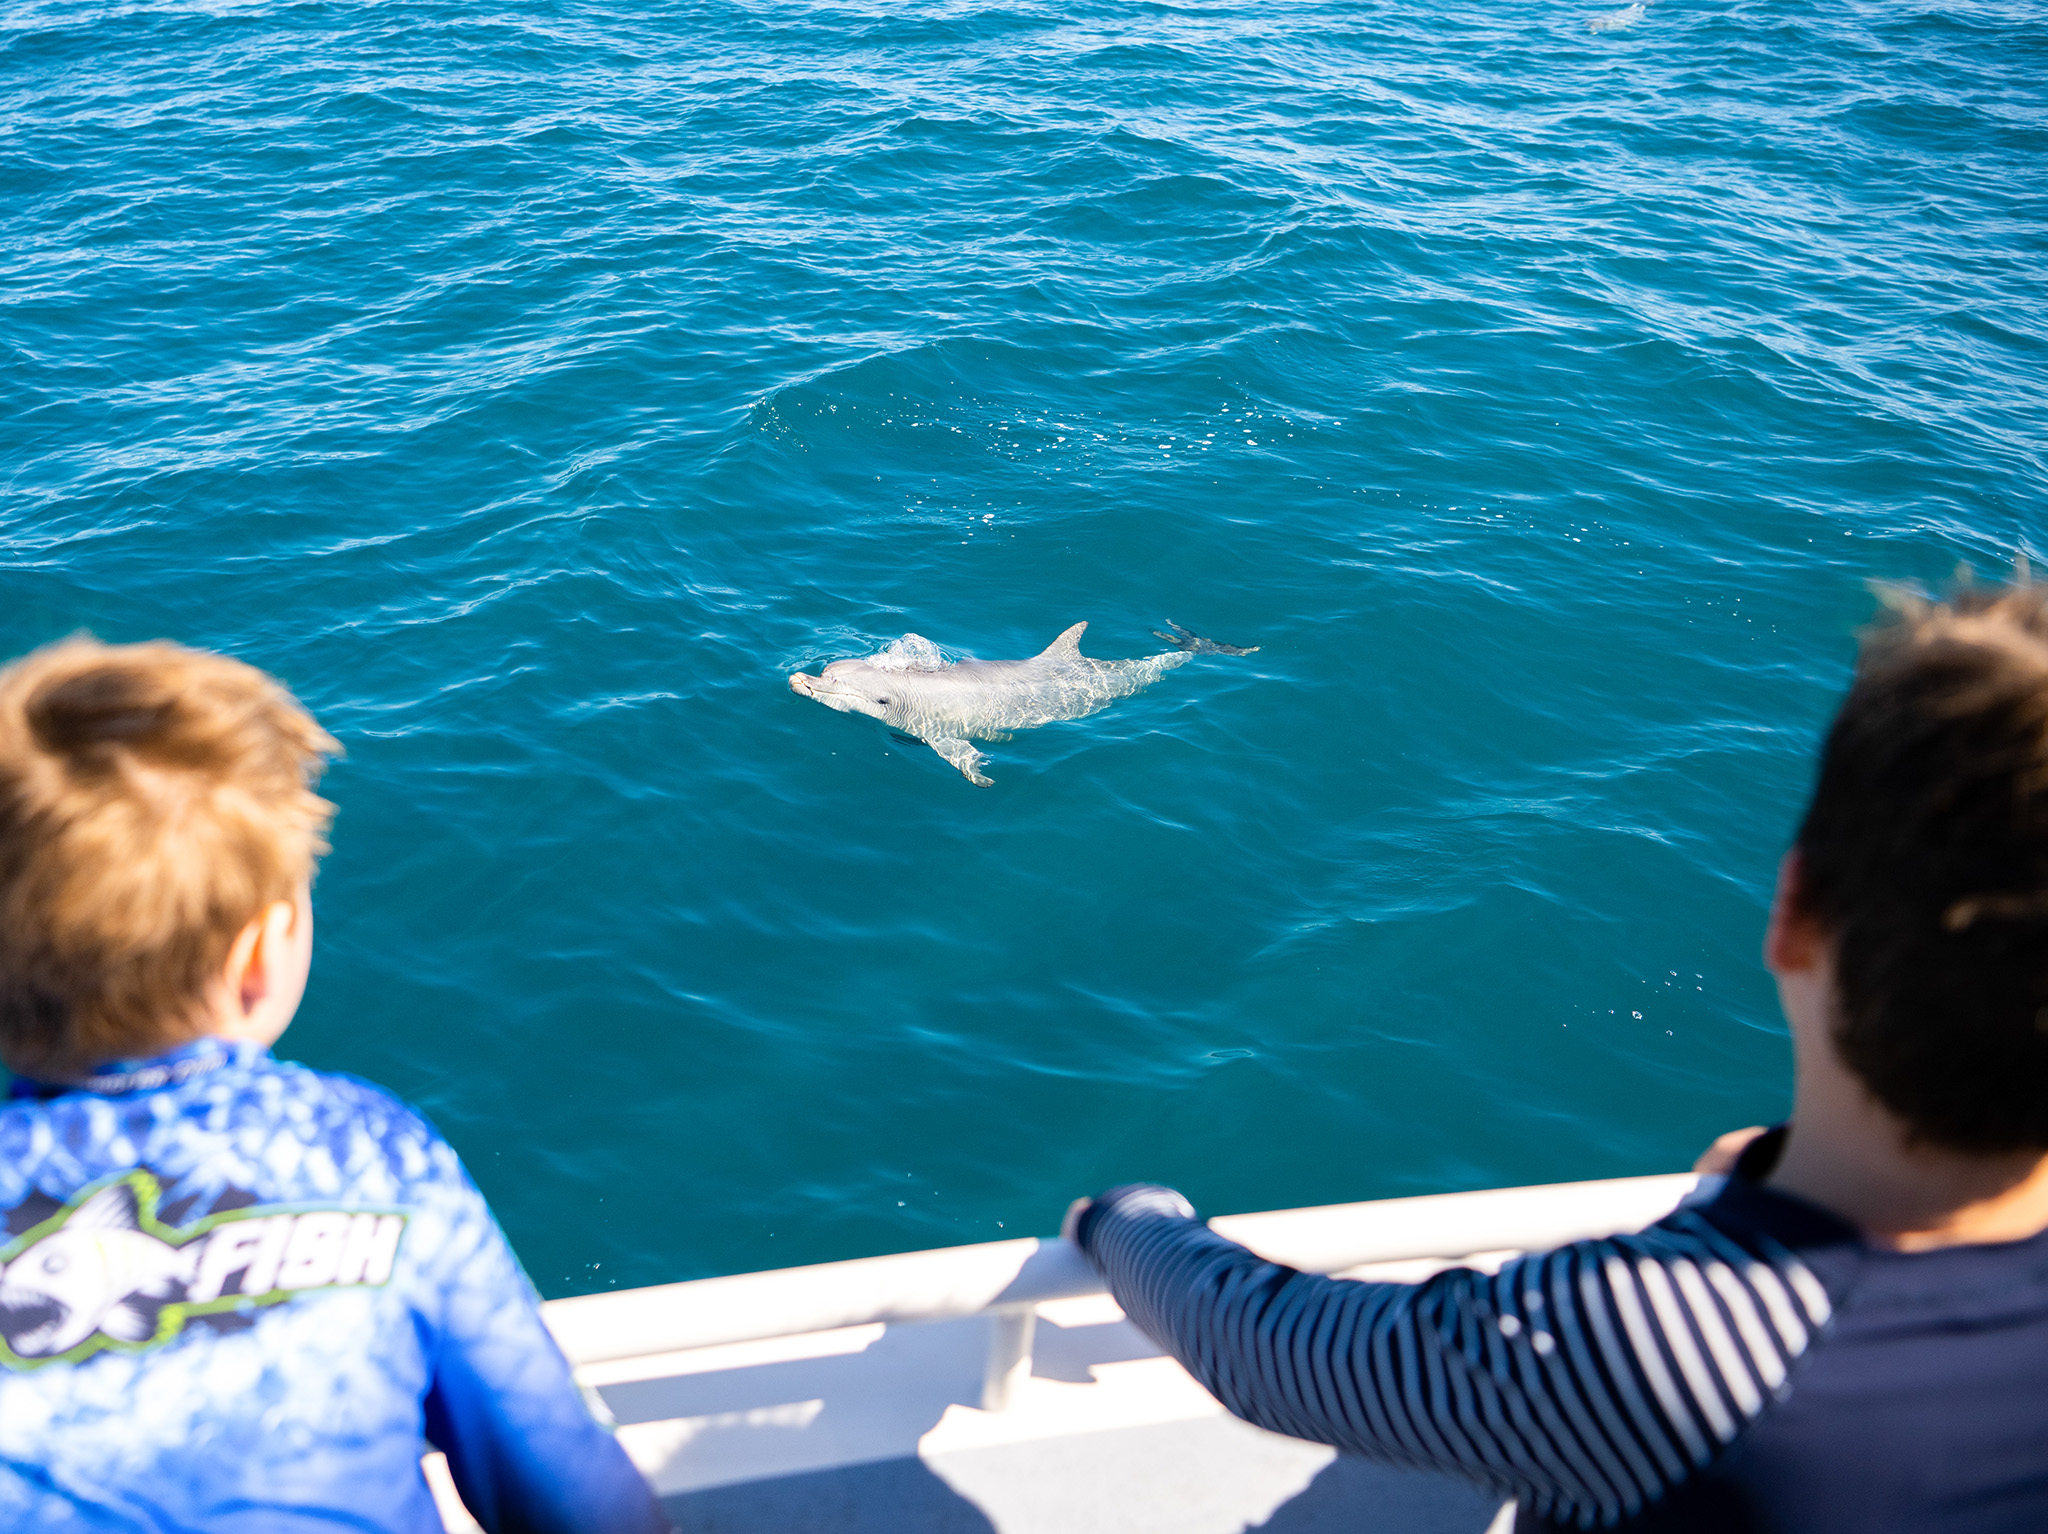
(235, 1294)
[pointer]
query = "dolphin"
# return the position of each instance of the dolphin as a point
(1615, 21)
(98, 1272)
(915, 690)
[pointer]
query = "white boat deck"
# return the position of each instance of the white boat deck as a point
(1026, 1403)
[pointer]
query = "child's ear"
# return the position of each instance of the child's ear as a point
(271, 950)
(254, 959)
(242, 977)
(1794, 941)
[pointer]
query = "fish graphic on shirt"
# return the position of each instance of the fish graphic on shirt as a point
(105, 1272)
(98, 1272)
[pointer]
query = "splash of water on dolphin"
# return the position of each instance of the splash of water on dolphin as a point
(948, 705)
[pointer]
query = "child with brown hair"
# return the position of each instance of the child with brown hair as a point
(234, 1293)
(1846, 1330)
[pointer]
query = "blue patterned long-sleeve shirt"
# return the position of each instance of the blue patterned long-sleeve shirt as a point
(237, 1294)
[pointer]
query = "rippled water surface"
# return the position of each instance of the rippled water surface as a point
(533, 388)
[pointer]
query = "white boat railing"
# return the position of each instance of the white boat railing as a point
(1007, 1280)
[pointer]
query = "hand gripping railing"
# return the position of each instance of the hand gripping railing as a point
(1008, 1280)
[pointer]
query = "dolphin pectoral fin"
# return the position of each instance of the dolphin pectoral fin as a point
(961, 754)
(1195, 644)
(1067, 646)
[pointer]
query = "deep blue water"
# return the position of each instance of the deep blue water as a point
(533, 387)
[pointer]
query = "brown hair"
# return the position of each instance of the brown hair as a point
(153, 801)
(1925, 857)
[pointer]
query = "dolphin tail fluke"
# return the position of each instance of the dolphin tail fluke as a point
(1195, 644)
(961, 754)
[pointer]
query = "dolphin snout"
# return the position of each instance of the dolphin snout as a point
(802, 682)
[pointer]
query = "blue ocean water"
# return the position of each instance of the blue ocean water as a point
(533, 386)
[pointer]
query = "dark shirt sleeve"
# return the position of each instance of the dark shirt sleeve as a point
(1585, 1381)
(523, 1447)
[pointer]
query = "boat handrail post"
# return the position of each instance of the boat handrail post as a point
(1010, 1331)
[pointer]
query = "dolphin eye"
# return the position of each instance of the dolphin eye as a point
(881, 700)
(55, 1262)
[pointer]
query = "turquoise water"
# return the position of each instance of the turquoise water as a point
(534, 387)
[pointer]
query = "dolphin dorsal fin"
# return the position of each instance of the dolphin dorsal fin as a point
(1067, 646)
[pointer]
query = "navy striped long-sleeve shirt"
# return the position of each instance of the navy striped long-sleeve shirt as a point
(1748, 1363)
